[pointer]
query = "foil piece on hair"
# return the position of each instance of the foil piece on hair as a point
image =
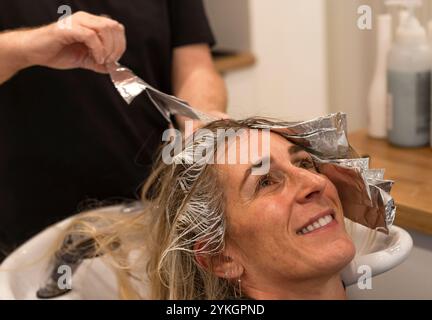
(324, 136)
(375, 174)
(364, 193)
(362, 163)
(334, 120)
(365, 198)
(130, 86)
(328, 143)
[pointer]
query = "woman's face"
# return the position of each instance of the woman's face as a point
(286, 225)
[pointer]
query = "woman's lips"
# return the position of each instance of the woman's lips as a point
(321, 221)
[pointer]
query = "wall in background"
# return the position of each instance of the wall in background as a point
(351, 55)
(226, 16)
(350, 60)
(295, 54)
(290, 78)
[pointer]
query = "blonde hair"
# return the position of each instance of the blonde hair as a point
(182, 217)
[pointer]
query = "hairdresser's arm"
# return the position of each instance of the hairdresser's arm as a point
(91, 42)
(196, 80)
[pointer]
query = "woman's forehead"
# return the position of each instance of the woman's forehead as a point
(260, 138)
(238, 157)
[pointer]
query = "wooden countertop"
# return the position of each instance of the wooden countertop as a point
(411, 169)
(235, 61)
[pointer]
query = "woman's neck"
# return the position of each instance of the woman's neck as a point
(313, 289)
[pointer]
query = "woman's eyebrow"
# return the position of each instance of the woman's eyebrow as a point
(295, 149)
(255, 165)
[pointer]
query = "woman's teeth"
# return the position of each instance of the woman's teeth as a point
(321, 222)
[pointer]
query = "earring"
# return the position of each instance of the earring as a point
(238, 293)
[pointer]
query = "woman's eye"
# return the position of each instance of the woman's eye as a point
(265, 181)
(307, 164)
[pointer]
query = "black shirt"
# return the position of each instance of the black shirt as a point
(67, 136)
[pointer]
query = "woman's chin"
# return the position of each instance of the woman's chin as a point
(335, 256)
(344, 252)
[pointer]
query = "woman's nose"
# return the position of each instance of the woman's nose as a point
(310, 185)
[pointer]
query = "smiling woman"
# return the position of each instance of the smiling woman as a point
(285, 232)
(219, 231)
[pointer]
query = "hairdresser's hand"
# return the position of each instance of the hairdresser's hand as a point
(196, 124)
(218, 114)
(91, 42)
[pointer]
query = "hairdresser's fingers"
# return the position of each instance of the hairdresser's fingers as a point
(104, 35)
(119, 40)
(90, 64)
(188, 126)
(109, 31)
(120, 43)
(218, 114)
(119, 36)
(214, 114)
(91, 40)
(108, 42)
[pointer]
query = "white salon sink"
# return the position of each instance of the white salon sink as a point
(25, 270)
(376, 250)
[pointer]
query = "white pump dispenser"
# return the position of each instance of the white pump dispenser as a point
(409, 28)
(409, 81)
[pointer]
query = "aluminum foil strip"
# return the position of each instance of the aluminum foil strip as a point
(335, 120)
(130, 86)
(365, 198)
(364, 193)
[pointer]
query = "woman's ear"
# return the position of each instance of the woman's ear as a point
(222, 264)
(226, 267)
(202, 259)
